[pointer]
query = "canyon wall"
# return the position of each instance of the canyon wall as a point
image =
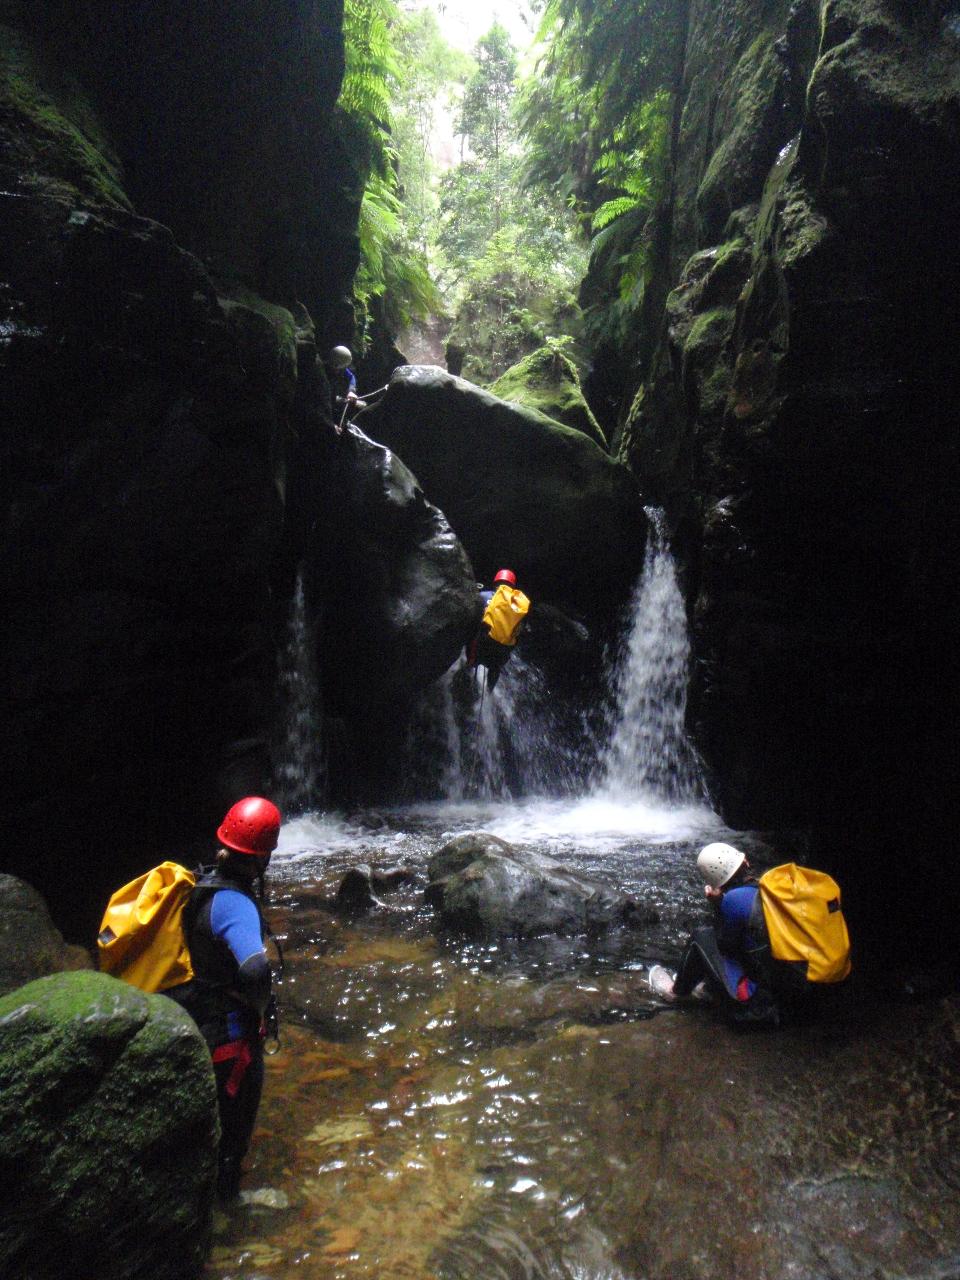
(798, 419)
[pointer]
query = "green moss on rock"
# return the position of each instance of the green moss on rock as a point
(709, 330)
(109, 1115)
(750, 123)
(49, 134)
(547, 380)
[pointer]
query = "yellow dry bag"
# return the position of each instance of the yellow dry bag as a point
(802, 911)
(504, 613)
(141, 937)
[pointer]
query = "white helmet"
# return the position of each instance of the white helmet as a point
(718, 863)
(339, 357)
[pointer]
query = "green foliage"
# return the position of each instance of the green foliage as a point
(508, 308)
(392, 269)
(594, 118)
(509, 256)
(431, 71)
(369, 78)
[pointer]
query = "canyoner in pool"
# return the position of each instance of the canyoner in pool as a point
(775, 943)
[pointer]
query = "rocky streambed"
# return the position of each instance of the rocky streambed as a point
(487, 1108)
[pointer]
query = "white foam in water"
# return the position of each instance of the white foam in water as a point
(596, 822)
(593, 824)
(323, 833)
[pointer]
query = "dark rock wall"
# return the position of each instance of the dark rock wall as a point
(163, 169)
(221, 114)
(799, 422)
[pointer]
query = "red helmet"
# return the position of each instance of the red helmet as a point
(252, 825)
(506, 575)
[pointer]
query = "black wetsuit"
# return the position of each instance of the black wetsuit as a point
(227, 999)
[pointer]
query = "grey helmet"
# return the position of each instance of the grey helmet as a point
(339, 357)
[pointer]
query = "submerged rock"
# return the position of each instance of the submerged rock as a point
(482, 884)
(517, 488)
(360, 886)
(109, 1115)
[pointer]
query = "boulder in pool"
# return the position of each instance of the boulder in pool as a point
(481, 884)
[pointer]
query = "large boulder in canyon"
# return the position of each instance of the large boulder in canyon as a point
(482, 884)
(517, 488)
(396, 589)
(108, 1111)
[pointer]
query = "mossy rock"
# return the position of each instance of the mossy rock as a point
(109, 1115)
(49, 135)
(547, 380)
(518, 488)
(750, 122)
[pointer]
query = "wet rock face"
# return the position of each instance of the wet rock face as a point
(109, 1115)
(395, 590)
(481, 884)
(795, 419)
(517, 488)
(144, 521)
(171, 194)
(30, 946)
(221, 120)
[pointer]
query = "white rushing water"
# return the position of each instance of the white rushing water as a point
(648, 788)
(300, 769)
(647, 753)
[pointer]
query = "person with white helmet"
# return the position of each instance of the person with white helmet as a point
(727, 959)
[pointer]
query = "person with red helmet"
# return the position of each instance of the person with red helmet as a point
(230, 992)
(504, 609)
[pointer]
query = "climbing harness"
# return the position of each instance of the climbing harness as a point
(362, 403)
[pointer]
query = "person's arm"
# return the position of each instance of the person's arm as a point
(234, 919)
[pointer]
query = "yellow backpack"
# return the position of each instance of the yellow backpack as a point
(141, 939)
(801, 908)
(504, 613)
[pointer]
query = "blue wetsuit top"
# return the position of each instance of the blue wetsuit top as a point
(234, 919)
(733, 935)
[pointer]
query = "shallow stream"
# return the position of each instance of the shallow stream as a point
(446, 1109)
(451, 1110)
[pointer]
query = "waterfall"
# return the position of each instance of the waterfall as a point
(468, 743)
(522, 741)
(647, 752)
(300, 766)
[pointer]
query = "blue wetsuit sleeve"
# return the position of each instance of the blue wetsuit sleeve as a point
(351, 380)
(735, 909)
(235, 920)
